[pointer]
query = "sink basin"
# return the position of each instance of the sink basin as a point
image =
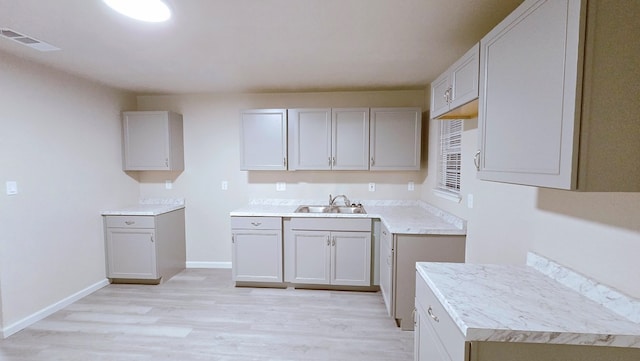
(331, 209)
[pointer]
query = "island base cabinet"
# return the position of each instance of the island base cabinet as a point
(517, 351)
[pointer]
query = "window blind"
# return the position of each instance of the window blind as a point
(450, 156)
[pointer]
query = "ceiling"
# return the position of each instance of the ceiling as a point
(255, 45)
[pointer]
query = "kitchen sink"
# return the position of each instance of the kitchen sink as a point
(331, 209)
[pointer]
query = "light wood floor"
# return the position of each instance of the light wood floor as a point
(200, 315)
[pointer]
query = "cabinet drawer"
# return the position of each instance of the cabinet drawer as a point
(331, 224)
(130, 221)
(444, 326)
(256, 223)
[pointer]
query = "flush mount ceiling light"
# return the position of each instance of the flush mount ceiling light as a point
(153, 11)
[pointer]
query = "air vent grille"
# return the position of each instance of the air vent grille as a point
(27, 40)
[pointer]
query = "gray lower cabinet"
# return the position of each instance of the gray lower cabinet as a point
(328, 251)
(145, 249)
(256, 249)
(398, 256)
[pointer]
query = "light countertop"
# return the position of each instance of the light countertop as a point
(524, 304)
(401, 217)
(147, 207)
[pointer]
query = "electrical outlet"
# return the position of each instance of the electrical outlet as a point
(12, 188)
(281, 186)
(469, 200)
(168, 184)
(224, 185)
(372, 187)
(411, 186)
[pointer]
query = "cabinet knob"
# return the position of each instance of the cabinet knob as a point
(256, 224)
(128, 223)
(476, 160)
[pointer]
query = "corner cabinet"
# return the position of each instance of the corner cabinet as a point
(329, 139)
(456, 87)
(395, 139)
(153, 140)
(552, 111)
(263, 139)
(145, 249)
(256, 249)
(328, 251)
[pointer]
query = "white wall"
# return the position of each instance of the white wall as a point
(596, 234)
(211, 137)
(60, 141)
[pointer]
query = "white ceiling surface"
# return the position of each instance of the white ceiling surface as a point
(255, 45)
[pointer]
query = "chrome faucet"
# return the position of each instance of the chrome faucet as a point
(332, 200)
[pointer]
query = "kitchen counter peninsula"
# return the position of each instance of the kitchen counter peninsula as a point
(501, 309)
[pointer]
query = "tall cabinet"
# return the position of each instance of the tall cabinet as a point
(558, 97)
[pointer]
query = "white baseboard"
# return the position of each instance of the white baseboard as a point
(208, 264)
(47, 311)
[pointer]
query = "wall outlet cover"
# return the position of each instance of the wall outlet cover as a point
(12, 188)
(281, 186)
(372, 187)
(411, 186)
(224, 185)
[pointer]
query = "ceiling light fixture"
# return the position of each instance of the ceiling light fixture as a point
(153, 11)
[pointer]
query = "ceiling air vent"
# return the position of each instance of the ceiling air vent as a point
(27, 40)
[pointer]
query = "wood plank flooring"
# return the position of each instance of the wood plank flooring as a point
(200, 315)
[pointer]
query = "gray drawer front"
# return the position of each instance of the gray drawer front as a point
(256, 223)
(130, 221)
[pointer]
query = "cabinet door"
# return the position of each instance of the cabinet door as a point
(310, 139)
(527, 111)
(464, 78)
(263, 139)
(396, 135)
(350, 139)
(311, 257)
(351, 258)
(257, 255)
(131, 253)
(439, 98)
(386, 268)
(146, 140)
(427, 346)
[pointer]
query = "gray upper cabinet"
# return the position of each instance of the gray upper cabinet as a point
(559, 97)
(395, 138)
(457, 87)
(325, 139)
(263, 139)
(153, 140)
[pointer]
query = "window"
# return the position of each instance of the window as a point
(450, 158)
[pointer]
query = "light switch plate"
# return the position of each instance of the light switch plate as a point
(168, 184)
(372, 187)
(224, 185)
(411, 186)
(12, 188)
(469, 200)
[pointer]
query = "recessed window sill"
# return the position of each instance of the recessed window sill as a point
(454, 197)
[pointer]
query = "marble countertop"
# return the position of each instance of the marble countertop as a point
(524, 304)
(147, 207)
(401, 217)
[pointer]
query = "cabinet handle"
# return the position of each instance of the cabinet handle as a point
(446, 96)
(476, 160)
(333, 242)
(328, 241)
(329, 160)
(256, 224)
(166, 162)
(284, 162)
(152, 239)
(430, 312)
(233, 239)
(373, 162)
(128, 223)
(413, 315)
(333, 160)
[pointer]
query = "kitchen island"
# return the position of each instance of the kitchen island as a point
(500, 312)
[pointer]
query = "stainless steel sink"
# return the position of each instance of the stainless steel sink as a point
(331, 209)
